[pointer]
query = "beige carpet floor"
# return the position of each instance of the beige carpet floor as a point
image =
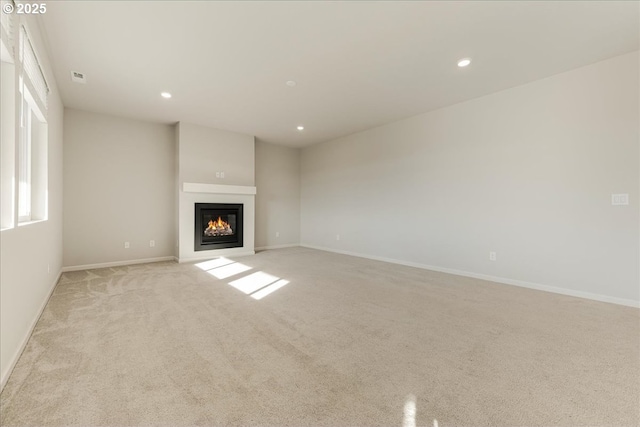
(346, 342)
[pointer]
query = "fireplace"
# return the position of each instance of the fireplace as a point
(218, 226)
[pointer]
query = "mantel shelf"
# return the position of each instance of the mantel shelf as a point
(195, 187)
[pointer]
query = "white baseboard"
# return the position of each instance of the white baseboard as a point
(503, 280)
(23, 344)
(117, 263)
(290, 245)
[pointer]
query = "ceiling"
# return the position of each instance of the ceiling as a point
(357, 64)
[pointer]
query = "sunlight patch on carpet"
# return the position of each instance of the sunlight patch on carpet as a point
(253, 282)
(228, 270)
(409, 419)
(213, 263)
(258, 285)
(269, 289)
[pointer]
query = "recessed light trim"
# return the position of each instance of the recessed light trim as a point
(165, 95)
(300, 128)
(291, 83)
(464, 62)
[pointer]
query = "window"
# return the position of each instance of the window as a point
(32, 161)
(8, 128)
(24, 166)
(32, 144)
(24, 154)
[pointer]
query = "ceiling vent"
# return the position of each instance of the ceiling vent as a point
(77, 77)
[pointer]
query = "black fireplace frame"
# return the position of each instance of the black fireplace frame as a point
(238, 241)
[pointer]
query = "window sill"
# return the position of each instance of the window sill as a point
(35, 221)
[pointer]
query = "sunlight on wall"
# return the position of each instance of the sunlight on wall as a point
(253, 282)
(409, 419)
(269, 289)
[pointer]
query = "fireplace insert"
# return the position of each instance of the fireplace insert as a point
(217, 226)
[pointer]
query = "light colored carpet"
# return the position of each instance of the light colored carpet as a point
(347, 341)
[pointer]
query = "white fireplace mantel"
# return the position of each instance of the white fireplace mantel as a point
(195, 187)
(192, 193)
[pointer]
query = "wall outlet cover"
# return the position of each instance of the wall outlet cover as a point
(621, 199)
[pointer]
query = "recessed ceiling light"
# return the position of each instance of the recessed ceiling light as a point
(464, 62)
(166, 95)
(291, 83)
(300, 128)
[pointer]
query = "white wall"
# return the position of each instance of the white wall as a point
(527, 172)
(119, 180)
(278, 197)
(202, 153)
(32, 254)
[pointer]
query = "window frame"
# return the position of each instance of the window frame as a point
(25, 162)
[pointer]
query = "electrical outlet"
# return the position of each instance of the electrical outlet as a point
(126, 245)
(620, 199)
(337, 237)
(277, 234)
(152, 243)
(222, 174)
(492, 256)
(217, 174)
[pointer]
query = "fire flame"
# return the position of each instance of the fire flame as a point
(219, 223)
(218, 227)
